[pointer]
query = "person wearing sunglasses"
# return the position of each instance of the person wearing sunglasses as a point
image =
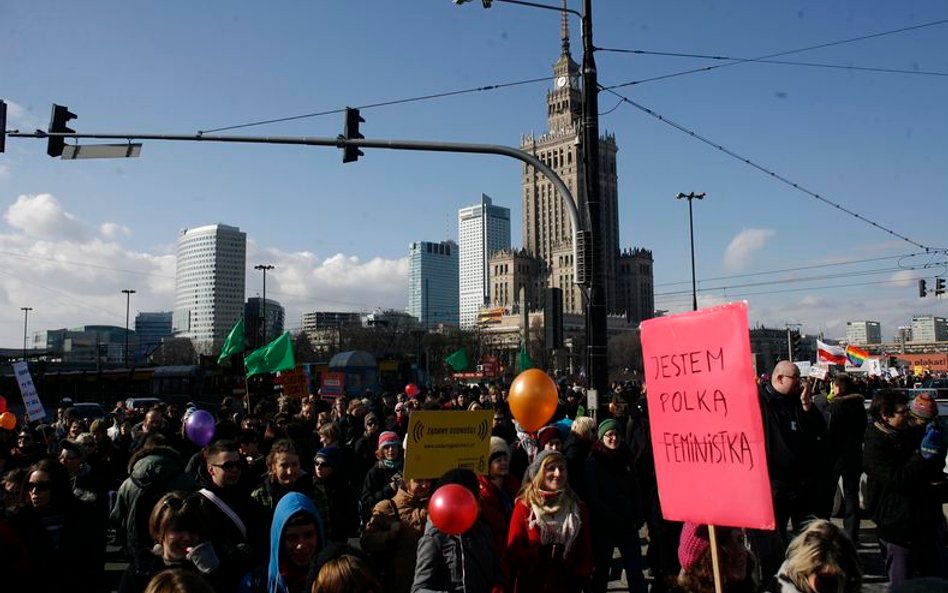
(65, 542)
(900, 466)
(178, 528)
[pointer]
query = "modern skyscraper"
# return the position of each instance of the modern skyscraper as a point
(433, 282)
(151, 329)
(483, 229)
(210, 283)
(547, 229)
(863, 332)
(254, 312)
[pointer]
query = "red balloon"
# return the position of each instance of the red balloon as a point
(532, 399)
(3, 404)
(453, 509)
(411, 390)
(7, 420)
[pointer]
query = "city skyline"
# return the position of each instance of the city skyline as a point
(857, 122)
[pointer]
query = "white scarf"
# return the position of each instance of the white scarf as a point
(561, 526)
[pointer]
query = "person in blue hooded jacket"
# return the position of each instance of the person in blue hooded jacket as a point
(296, 538)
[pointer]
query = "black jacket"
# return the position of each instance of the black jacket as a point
(846, 421)
(794, 439)
(612, 493)
(899, 487)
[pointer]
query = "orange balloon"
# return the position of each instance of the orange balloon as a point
(7, 420)
(532, 399)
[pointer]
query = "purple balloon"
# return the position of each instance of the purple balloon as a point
(200, 427)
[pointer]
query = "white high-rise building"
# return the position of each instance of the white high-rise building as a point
(482, 230)
(863, 332)
(433, 283)
(209, 284)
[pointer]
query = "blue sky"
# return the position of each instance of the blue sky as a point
(75, 233)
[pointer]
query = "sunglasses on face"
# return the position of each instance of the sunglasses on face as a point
(39, 486)
(323, 464)
(228, 466)
(176, 504)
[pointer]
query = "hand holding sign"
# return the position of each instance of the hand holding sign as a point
(533, 398)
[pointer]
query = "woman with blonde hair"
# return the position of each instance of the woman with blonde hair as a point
(822, 558)
(177, 581)
(346, 574)
(549, 545)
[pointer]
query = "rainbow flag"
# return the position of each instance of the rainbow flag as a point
(856, 355)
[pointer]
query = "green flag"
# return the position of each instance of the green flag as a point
(275, 356)
(524, 360)
(458, 360)
(234, 342)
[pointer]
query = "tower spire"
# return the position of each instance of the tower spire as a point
(565, 30)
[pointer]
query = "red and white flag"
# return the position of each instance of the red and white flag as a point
(830, 354)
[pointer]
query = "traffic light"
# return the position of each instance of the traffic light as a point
(57, 125)
(939, 286)
(922, 290)
(350, 131)
(3, 126)
(795, 345)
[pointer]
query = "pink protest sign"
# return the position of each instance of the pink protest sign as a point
(704, 412)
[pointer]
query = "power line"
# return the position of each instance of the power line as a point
(782, 53)
(798, 268)
(824, 287)
(491, 87)
(771, 173)
(778, 62)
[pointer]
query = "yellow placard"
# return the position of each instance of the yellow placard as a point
(438, 441)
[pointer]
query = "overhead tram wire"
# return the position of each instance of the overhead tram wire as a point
(480, 89)
(796, 280)
(777, 62)
(682, 298)
(807, 267)
(771, 173)
(779, 54)
(494, 87)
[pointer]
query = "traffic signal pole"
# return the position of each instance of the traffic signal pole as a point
(351, 144)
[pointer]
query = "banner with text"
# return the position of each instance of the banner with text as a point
(443, 440)
(34, 407)
(707, 433)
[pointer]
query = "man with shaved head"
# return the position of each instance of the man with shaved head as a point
(794, 433)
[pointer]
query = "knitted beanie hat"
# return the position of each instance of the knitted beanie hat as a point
(547, 434)
(329, 454)
(498, 447)
(923, 406)
(389, 439)
(537, 463)
(607, 425)
(693, 543)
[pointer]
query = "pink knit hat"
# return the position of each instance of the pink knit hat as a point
(923, 406)
(389, 438)
(693, 543)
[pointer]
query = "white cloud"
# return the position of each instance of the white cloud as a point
(904, 277)
(4, 171)
(42, 217)
(112, 230)
(742, 248)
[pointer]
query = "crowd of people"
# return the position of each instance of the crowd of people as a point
(308, 495)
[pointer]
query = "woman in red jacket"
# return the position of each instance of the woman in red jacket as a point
(549, 547)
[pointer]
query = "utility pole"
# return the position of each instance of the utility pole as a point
(596, 356)
(26, 315)
(691, 231)
(263, 305)
(128, 297)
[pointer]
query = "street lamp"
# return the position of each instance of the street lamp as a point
(597, 361)
(26, 315)
(691, 230)
(263, 306)
(128, 297)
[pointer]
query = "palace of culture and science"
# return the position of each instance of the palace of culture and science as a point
(546, 259)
